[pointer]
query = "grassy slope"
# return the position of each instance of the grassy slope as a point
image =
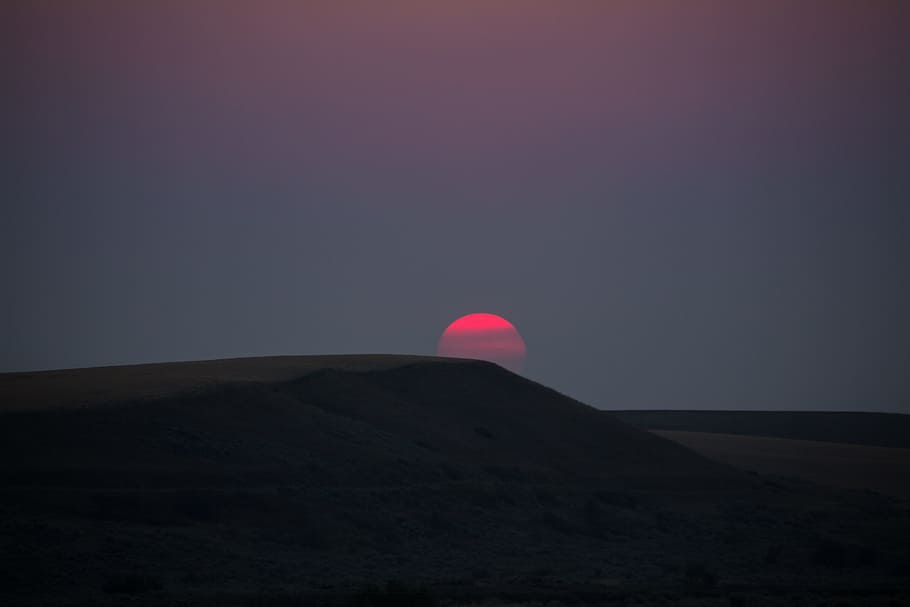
(867, 451)
(75, 388)
(882, 469)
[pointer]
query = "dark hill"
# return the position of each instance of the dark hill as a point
(423, 420)
(290, 480)
(858, 428)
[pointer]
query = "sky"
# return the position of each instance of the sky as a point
(678, 204)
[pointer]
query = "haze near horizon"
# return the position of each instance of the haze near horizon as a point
(697, 206)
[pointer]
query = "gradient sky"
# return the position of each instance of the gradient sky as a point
(678, 204)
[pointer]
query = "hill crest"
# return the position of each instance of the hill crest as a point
(94, 386)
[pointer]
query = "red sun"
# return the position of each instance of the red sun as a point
(484, 336)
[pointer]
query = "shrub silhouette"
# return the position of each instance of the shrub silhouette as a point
(772, 554)
(835, 554)
(699, 577)
(829, 553)
(132, 583)
(394, 594)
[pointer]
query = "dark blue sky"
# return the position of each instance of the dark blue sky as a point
(678, 204)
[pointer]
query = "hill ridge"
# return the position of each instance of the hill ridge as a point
(419, 418)
(90, 386)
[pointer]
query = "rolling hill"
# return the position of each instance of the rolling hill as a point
(397, 417)
(271, 481)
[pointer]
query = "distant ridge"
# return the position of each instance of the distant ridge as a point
(858, 428)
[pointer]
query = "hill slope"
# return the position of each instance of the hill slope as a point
(882, 469)
(224, 482)
(403, 422)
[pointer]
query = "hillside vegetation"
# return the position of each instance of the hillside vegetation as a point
(233, 482)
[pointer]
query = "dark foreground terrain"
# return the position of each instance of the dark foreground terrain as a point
(399, 480)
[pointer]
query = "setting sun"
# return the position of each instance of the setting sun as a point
(486, 337)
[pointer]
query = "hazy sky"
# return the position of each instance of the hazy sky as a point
(678, 204)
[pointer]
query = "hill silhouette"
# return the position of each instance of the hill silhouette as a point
(297, 478)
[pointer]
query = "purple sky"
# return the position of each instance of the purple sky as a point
(678, 204)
